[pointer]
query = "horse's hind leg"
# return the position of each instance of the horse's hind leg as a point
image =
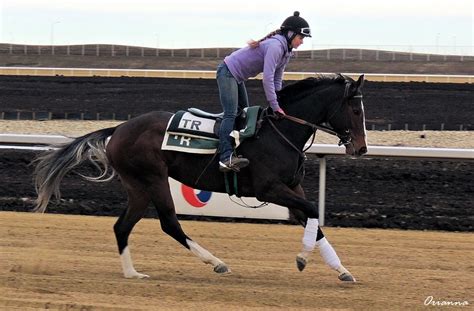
(326, 250)
(137, 204)
(161, 198)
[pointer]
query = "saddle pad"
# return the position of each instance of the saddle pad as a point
(192, 134)
(189, 144)
(184, 122)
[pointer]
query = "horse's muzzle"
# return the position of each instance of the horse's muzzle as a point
(353, 151)
(361, 151)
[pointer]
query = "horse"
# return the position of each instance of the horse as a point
(132, 150)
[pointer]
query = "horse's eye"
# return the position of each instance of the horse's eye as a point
(356, 111)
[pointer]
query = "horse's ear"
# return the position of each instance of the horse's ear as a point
(360, 82)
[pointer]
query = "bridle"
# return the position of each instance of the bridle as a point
(344, 138)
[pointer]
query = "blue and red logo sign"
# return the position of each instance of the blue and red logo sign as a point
(198, 199)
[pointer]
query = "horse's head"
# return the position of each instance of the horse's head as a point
(348, 118)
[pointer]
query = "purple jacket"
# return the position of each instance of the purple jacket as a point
(270, 57)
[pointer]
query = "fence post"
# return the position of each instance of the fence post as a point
(322, 189)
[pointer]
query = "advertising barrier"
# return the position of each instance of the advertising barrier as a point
(189, 201)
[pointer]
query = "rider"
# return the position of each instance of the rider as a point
(269, 55)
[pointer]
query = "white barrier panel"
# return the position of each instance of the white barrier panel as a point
(405, 152)
(210, 74)
(33, 139)
(189, 201)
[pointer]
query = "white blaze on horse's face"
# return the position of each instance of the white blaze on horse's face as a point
(355, 109)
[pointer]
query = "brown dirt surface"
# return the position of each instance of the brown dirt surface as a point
(65, 262)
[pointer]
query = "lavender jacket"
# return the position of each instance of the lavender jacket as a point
(270, 57)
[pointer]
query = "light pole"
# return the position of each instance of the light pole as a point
(52, 31)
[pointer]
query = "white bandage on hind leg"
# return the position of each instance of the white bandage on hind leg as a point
(329, 254)
(310, 234)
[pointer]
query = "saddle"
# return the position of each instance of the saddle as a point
(196, 131)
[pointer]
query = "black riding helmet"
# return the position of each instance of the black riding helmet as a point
(296, 24)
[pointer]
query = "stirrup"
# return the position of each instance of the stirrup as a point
(233, 164)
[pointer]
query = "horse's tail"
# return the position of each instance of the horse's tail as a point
(53, 165)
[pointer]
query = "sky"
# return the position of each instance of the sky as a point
(436, 26)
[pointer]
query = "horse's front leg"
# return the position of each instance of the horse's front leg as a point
(313, 236)
(326, 250)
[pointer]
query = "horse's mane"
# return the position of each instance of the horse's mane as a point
(309, 84)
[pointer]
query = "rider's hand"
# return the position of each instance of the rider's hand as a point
(280, 111)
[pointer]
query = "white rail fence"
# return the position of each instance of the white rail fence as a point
(211, 74)
(189, 201)
(319, 52)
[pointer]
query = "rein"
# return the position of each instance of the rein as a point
(344, 139)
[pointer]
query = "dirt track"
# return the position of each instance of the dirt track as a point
(71, 263)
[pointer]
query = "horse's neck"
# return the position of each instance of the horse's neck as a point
(313, 109)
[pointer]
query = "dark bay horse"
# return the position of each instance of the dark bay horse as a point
(274, 175)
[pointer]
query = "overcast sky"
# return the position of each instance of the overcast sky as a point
(437, 25)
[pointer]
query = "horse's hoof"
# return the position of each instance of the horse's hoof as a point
(301, 262)
(346, 277)
(136, 275)
(221, 269)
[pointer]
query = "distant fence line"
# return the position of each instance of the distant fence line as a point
(134, 51)
(24, 115)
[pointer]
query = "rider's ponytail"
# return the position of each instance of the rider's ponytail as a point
(254, 44)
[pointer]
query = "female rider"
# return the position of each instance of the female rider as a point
(269, 55)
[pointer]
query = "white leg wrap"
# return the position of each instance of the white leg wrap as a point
(127, 265)
(329, 254)
(310, 234)
(203, 254)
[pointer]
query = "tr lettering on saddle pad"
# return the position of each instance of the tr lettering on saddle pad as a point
(186, 122)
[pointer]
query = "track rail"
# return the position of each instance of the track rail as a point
(210, 74)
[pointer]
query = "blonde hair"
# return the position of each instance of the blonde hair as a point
(255, 44)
